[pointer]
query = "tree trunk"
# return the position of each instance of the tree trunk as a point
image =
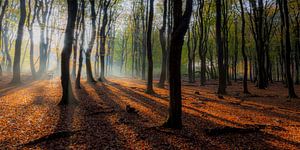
(78, 78)
(67, 96)
(245, 81)
(221, 66)
(190, 59)
(149, 89)
(30, 26)
(288, 48)
(5, 40)
(103, 40)
(181, 24)
(89, 72)
(16, 67)
(297, 47)
(163, 42)
(236, 46)
(1, 19)
(144, 44)
(75, 46)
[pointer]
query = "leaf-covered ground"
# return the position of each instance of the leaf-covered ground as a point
(30, 117)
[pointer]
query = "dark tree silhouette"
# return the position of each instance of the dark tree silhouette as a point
(222, 68)
(245, 86)
(286, 22)
(149, 89)
(181, 24)
(68, 96)
(16, 66)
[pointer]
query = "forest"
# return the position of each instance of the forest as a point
(149, 74)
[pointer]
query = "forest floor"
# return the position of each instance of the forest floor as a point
(30, 117)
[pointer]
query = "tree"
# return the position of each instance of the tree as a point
(286, 21)
(81, 44)
(149, 89)
(67, 96)
(203, 36)
(144, 17)
(1, 19)
(43, 17)
(180, 27)
(30, 23)
(88, 52)
(261, 25)
(245, 81)
(106, 4)
(75, 45)
(163, 42)
(16, 66)
(219, 41)
(6, 46)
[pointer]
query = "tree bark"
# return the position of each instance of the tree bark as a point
(245, 81)
(222, 68)
(144, 18)
(288, 48)
(30, 26)
(78, 78)
(103, 40)
(181, 24)
(75, 46)
(67, 96)
(149, 89)
(1, 19)
(6, 47)
(162, 37)
(16, 66)
(89, 72)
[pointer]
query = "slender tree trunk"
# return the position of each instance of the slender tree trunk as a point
(103, 40)
(236, 46)
(78, 78)
(288, 48)
(202, 49)
(5, 40)
(144, 44)
(297, 47)
(30, 26)
(41, 17)
(1, 19)
(16, 67)
(250, 69)
(190, 59)
(163, 42)
(222, 69)
(245, 81)
(75, 46)
(89, 72)
(149, 50)
(67, 96)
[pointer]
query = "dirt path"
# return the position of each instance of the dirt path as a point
(30, 118)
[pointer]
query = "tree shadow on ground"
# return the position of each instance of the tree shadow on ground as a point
(252, 107)
(192, 123)
(98, 130)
